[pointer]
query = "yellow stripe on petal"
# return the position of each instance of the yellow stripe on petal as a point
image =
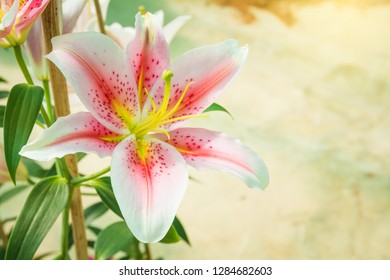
(124, 114)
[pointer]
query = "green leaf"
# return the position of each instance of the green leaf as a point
(11, 193)
(104, 190)
(90, 214)
(175, 233)
(2, 113)
(33, 168)
(180, 230)
(2, 253)
(43, 206)
(80, 156)
(171, 236)
(3, 94)
(24, 103)
(217, 107)
(95, 230)
(2, 80)
(113, 239)
(94, 211)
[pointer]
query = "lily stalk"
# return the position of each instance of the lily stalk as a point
(61, 101)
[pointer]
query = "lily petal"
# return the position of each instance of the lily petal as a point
(71, 11)
(149, 178)
(148, 53)
(120, 34)
(79, 132)
(8, 20)
(210, 69)
(96, 69)
(28, 12)
(35, 49)
(171, 28)
(205, 149)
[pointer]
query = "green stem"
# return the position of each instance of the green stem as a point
(65, 227)
(62, 169)
(40, 124)
(45, 116)
(80, 180)
(22, 64)
(48, 101)
(99, 16)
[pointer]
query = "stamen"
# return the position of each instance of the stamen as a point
(151, 101)
(161, 116)
(174, 109)
(183, 118)
(166, 76)
(164, 131)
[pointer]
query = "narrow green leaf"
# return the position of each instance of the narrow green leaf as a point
(33, 168)
(171, 236)
(95, 230)
(44, 204)
(44, 255)
(2, 80)
(113, 239)
(80, 156)
(41, 119)
(11, 193)
(180, 230)
(217, 107)
(2, 113)
(2, 253)
(3, 94)
(91, 244)
(90, 214)
(94, 211)
(104, 190)
(23, 105)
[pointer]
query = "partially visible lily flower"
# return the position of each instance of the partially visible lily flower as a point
(16, 19)
(136, 108)
(35, 45)
(123, 34)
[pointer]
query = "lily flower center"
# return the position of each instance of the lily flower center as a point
(158, 117)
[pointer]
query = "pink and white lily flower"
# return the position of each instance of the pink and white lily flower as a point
(35, 45)
(136, 108)
(16, 19)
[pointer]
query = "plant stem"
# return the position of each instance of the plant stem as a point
(22, 64)
(99, 16)
(65, 227)
(45, 116)
(26, 73)
(48, 101)
(61, 101)
(80, 180)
